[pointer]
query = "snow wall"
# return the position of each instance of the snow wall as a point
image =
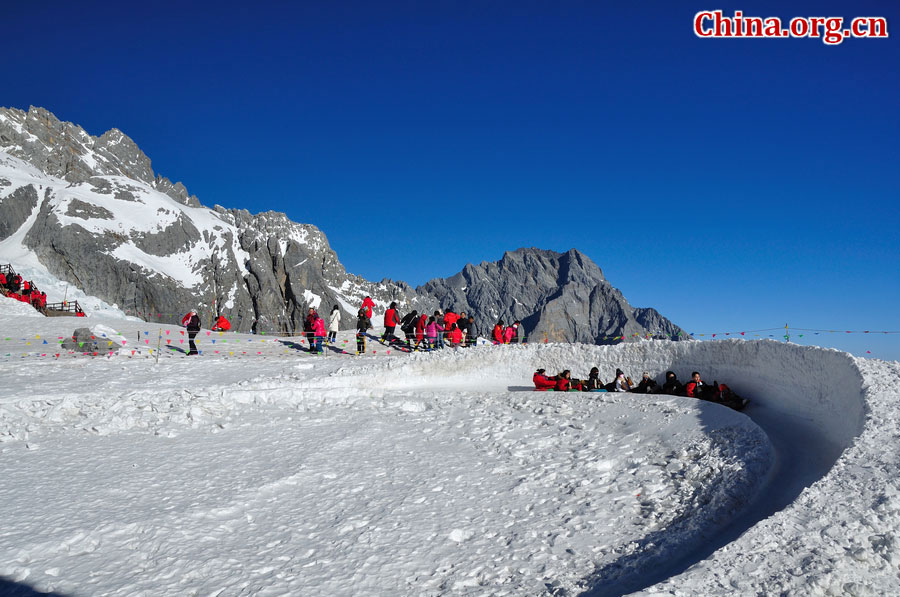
(823, 387)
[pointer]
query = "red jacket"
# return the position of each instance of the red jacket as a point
(498, 334)
(691, 389)
(542, 382)
(562, 384)
(222, 324)
(420, 326)
(449, 319)
(2, 279)
(456, 336)
(368, 304)
(390, 318)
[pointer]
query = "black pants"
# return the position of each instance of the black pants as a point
(360, 342)
(193, 347)
(389, 334)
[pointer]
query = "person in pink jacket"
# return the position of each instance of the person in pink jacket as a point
(320, 332)
(431, 332)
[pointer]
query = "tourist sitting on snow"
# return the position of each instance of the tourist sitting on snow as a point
(647, 385)
(622, 383)
(696, 388)
(593, 383)
(542, 382)
(222, 324)
(563, 381)
(716, 392)
(672, 386)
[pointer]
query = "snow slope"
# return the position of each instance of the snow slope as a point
(262, 469)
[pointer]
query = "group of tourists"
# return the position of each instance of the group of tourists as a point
(695, 388)
(15, 287)
(429, 332)
(421, 331)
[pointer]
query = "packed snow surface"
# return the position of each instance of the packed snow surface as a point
(258, 468)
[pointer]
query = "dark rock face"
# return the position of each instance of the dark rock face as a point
(104, 222)
(15, 208)
(561, 297)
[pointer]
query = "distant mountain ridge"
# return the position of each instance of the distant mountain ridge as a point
(96, 215)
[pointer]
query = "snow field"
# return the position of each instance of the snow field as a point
(428, 474)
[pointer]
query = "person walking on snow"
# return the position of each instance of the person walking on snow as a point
(320, 333)
(191, 321)
(334, 324)
(390, 324)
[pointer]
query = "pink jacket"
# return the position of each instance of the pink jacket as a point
(319, 327)
(432, 329)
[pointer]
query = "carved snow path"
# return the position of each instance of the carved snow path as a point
(424, 474)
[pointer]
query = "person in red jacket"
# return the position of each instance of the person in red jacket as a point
(222, 324)
(455, 336)
(497, 334)
(542, 383)
(367, 305)
(449, 319)
(420, 330)
(2, 279)
(563, 381)
(390, 323)
(697, 389)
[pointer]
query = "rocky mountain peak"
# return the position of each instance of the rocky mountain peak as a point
(98, 217)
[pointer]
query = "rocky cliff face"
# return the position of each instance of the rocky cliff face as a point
(96, 215)
(561, 297)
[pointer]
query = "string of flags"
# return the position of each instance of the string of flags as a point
(218, 339)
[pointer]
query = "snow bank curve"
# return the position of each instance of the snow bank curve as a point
(825, 411)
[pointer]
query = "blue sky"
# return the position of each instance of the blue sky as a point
(733, 184)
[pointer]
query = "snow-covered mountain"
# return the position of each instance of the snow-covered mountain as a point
(91, 211)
